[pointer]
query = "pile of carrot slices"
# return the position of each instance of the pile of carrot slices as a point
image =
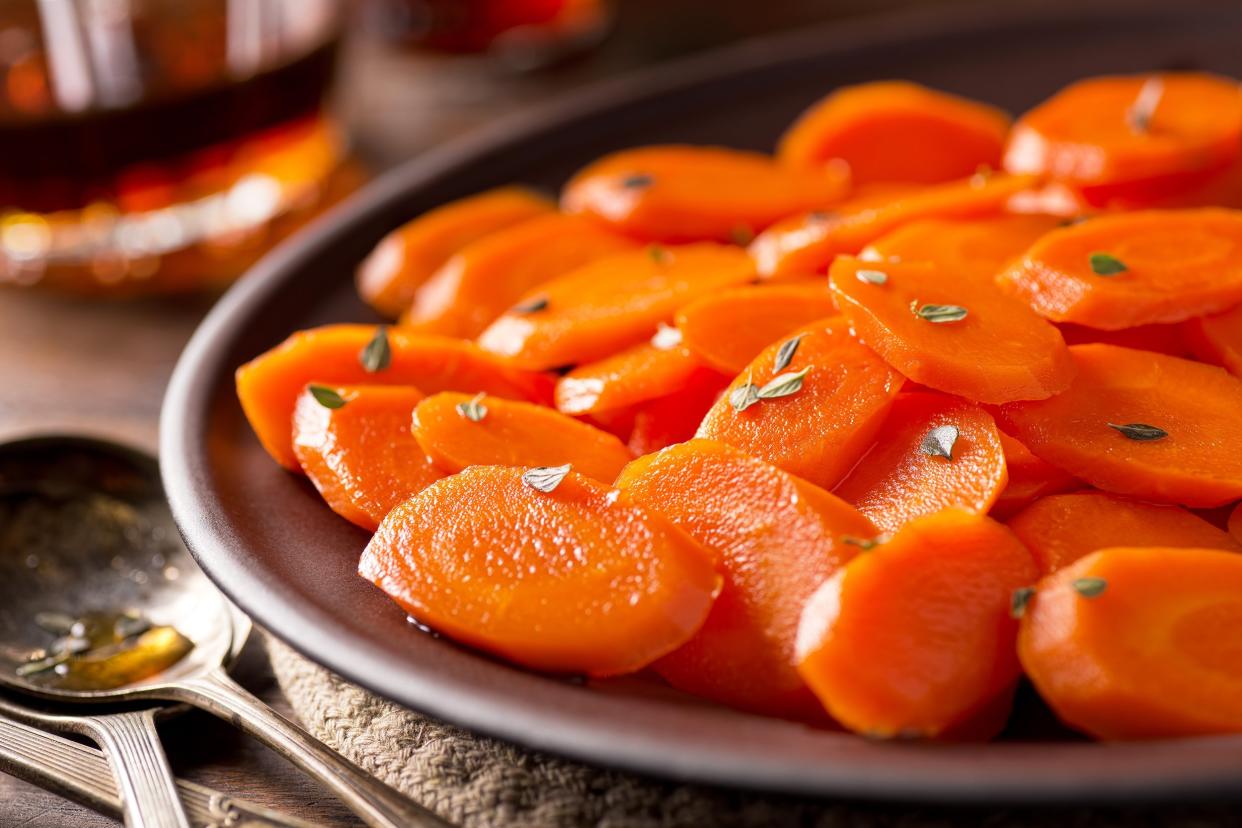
(858, 433)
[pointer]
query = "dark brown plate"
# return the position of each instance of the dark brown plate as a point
(269, 542)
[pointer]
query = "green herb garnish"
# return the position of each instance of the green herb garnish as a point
(1089, 587)
(473, 409)
(939, 441)
(939, 314)
(545, 478)
(377, 354)
(326, 397)
(1140, 431)
(786, 353)
(1106, 264)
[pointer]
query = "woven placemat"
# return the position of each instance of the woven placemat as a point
(475, 781)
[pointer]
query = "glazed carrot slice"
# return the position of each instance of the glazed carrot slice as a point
(1134, 643)
(808, 243)
(675, 418)
(684, 193)
(977, 249)
(1063, 528)
(729, 328)
(1235, 523)
(1030, 478)
(1140, 423)
(914, 638)
(1130, 141)
(907, 474)
(951, 334)
(360, 454)
(409, 256)
(485, 278)
(578, 579)
(636, 375)
(813, 414)
(268, 386)
(1217, 339)
(1131, 269)
(1163, 339)
(790, 536)
(896, 131)
(459, 430)
(611, 304)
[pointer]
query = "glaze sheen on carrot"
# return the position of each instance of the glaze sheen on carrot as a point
(1128, 269)
(896, 131)
(1140, 643)
(634, 376)
(1030, 478)
(906, 475)
(268, 386)
(361, 456)
(686, 194)
(830, 416)
(675, 417)
(456, 431)
(611, 304)
(951, 334)
(776, 537)
(575, 580)
(913, 638)
(1197, 463)
(1063, 528)
(409, 256)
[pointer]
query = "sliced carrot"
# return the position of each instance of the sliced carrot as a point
(1064, 528)
(1217, 339)
(611, 304)
(1030, 478)
(361, 455)
(636, 375)
(1163, 339)
(1130, 269)
(951, 334)
(788, 537)
(675, 418)
(460, 430)
(1131, 141)
(577, 579)
(897, 131)
(1132, 643)
(906, 474)
(409, 256)
(815, 426)
(914, 638)
(684, 193)
(977, 249)
(1106, 429)
(1235, 523)
(485, 278)
(268, 386)
(808, 243)
(729, 328)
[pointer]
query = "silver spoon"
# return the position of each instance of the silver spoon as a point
(160, 582)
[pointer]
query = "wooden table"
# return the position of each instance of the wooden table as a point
(99, 368)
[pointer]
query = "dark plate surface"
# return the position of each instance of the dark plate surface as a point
(269, 542)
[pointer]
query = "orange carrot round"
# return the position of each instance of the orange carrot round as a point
(807, 243)
(913, 638)
(268, 386)
(611, 304)
(636, 375)
(1064, 528)
(460, 430)
(1140, 643)
(729, 328)
(1132, 141)
(1163, 339)
(487, 277)
(675, 417)
(949, 333)
(1140, 423)
(788, 538)
(574, 579)
(896, 131)
(1030, 478)
(1235, 523)
(812, 407)
(355, 445)
(1217, 339)
(686, 194)
(932, 453)
(1129, 269)
(409, 256)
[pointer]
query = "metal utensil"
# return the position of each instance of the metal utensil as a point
(82, 774)
(159, 584)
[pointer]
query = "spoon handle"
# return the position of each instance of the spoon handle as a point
(146, 784)
(373, 801)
